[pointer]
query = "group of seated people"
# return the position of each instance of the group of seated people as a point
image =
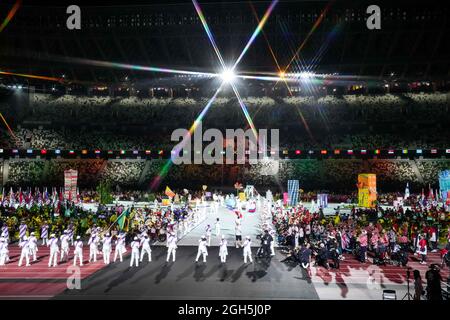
(387, 235)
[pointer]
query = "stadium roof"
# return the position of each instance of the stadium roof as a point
(410, 45)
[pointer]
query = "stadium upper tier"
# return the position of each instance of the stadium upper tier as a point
(351, 121)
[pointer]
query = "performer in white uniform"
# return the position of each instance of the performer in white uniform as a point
(145, 244)
(171, 246)
(78, 251)
(93, 247)
(54, 249)
(32, 243)
(5, 233)
(217, 227)
(135, 252)
(64, 247)
(120, 247)
(272, 244)
(4, 252)
(202, 249)
(208, 234)
(25, 252)
(248, 249)
(106, 248)
(223, 250)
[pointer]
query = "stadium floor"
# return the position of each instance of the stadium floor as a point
(185, 279)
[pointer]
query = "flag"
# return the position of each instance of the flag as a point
(407, 191)
(12, 198)
(293, 186)
(3, 197)
(47, 200)
(122, 218)
(169, 192)
(430, 193)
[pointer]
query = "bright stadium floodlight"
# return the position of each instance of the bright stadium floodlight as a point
(228, 76)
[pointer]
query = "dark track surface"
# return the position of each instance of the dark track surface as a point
(184, 279)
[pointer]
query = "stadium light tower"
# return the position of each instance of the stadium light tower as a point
(228, 76)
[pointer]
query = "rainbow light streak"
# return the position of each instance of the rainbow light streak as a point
(165, 169)
(256, 32)
(31, 76)
(316, 24)
(244, 109)
(10, 15)
(99, 63)
(208, 32)
(7, 126)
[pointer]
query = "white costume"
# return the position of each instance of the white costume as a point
(208, 234)
(202, 249)
(64, 246)
(223, 250)
(4, 252)
(145, 244)
(120, 247)
(93, 247)
(32, 243)
(135, 252)
(25, 252)
(217, 227)
(272, 243)
(106, 249)
(78, 252)
(248, 250)
(171, 246)
(54, 249)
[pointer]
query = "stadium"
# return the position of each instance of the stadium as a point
(357, 163)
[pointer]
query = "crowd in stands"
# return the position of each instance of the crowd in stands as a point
(334, 175)
(353, 121)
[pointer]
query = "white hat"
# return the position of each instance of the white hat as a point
(25, 238)
(107, 235)
(78, 237)
(65, 231)
(52, 235)
(135, 238)
(32, 234)
(248, 237)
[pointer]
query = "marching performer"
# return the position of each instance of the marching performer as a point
(32, 242)
(135, 252)
(5, 232)
(22, 230)
(64, 246)
(171, 246)
(54, 249)
(145, 244)
(217, 227)
(25, 252)
(202, 249)
(248, 249)
(4, 252)
(106, 248)
(208, 234)
(93, 247)
(223, 250)
(70, 232)
(238, 232)
(120, 247)
(272, 243)
(78, 251)
(44, 233)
